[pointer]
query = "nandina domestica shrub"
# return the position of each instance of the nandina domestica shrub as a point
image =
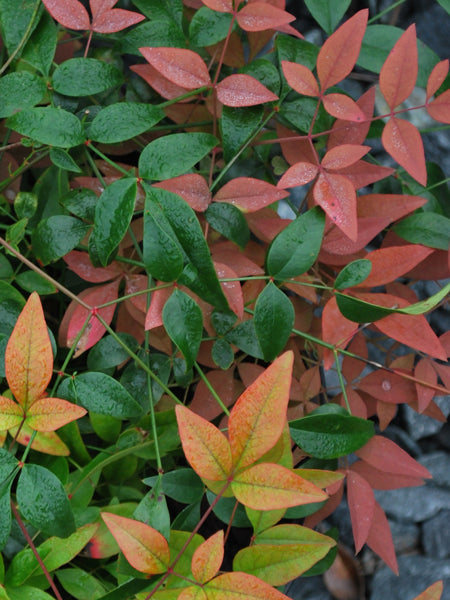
(167, 333)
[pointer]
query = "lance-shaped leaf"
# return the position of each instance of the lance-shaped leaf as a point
(380, 538)
(243, 90)
(49, 414)
(327, 13)
(339, 53)
(249, 194)
(336, 330)
(206, 448)
(434, 592)
(79, 263)
(28, 356)
(183, 322)
(300, 78)
(231, 586)
(259, 16)
(11, 413)
(425, 371)
(268, 486)
(440, 107)
(343, 156)
(258, 417)
(399, 72)
(343, 107)
(361, 502)
(336, 195)
(71, 14)
(219, 5)
(274, 319)
(300, 173)
(437, 77)
(106, 19)
(48, 125)
(179, 65)
(122, 121)
(208, 557)
(404, 143)
(192, 187)
(56, 236)
(381, 480)
(145, 548)
(282, 553)
(48, 442)
(43, 501)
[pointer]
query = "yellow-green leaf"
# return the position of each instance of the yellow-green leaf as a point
(48, 414)
(208, 558)
(241, 586)
(47, 442)
(11, 414)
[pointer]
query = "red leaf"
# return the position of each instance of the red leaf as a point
(402, 140)
(242, 264)
(336, 195)
(161, 84)
(182, 67)
(363, 173)
(133, 285)
(393, 206)
(386, 412)
(388, 264)
(381, 480)
(192, 187)
(343, 156)
(299, 174)
(49, 414)
(154, 314)
(357, 405)
(344, 132)
(295, 150)
(225, 6)
(249, 194)
(208, 557)
(361, 503)
(231, 289)
(300, 78)
(204, 404)
(398, 75)
(259, 16)
(76, 315)
(425, 372)
(439, 109)
(437, 77)
(339, 53)
(243, 90)
(388, 387)
(336, 330)
(333, 502)
(107, 20)
(80, 263)
(380, 538)
(70, 13)
(336, 242)
(343, 107)
(351, 367)
(385, 455)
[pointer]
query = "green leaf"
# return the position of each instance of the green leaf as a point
(63, 160)
(160, 32)
(182, 485)
(27, 592)
(25, 204)
(85, 77)
(20, 90)
(327, 13)
(209, 27)
(31, 281)
(164, 10)
(222, 353)
(80, 584)
(40, 48)
(378, 42)
(295, 249)
(173, 155)
(273, 319)
(199, 275)
(43, 501)
(81, 202)
(183, 322)
(228, 220)
(47, 125)
(225, 508)
(353, 274)
(296, 50)
(56, 236)
(113, 215)
(108, 353)
(15, 19)
(237, 125)
(5, 508)
(244, 337)
(152, 509)
(6, 270)
(122, 121)
(101, 393)
(330, 435)
(264, 71)
(427, 228)
(445, 5)
(300, 112)
(163, 254)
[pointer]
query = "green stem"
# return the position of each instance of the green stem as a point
(108, 160)
(190, 94)
(341, 380)
(385, 11)
(212, 390)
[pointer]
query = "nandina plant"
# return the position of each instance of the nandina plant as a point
(193, 201)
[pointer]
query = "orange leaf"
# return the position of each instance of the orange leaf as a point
(300, 78)
(343, 107)
(28, 356)
(249, 194)
(242, 586)
(206, 448)
(144, 548)
(380, 538)
(385, 455)
(398, 75)
(243, 90)
(380, 480)
(268, 486)
(336, 330)
(182, 67)
(336, 195)
(192, 592)
(437, 77)
(192, 187)
(439, 109)
(48, 414)
(208, 558)
(339, 53)
(343, 156)
(80, 263)
(47, 442)
(259, 16)
(402, 140)
(299, 174)
(345, 132)
(11, 413)
(258, 417)
(361, 503)
(434, 592)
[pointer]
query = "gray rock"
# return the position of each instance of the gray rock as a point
(406, 536)
(416, 574)
(307, 588)
(420, 426)
(436, 535)
(413, 504)
(438, 463)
